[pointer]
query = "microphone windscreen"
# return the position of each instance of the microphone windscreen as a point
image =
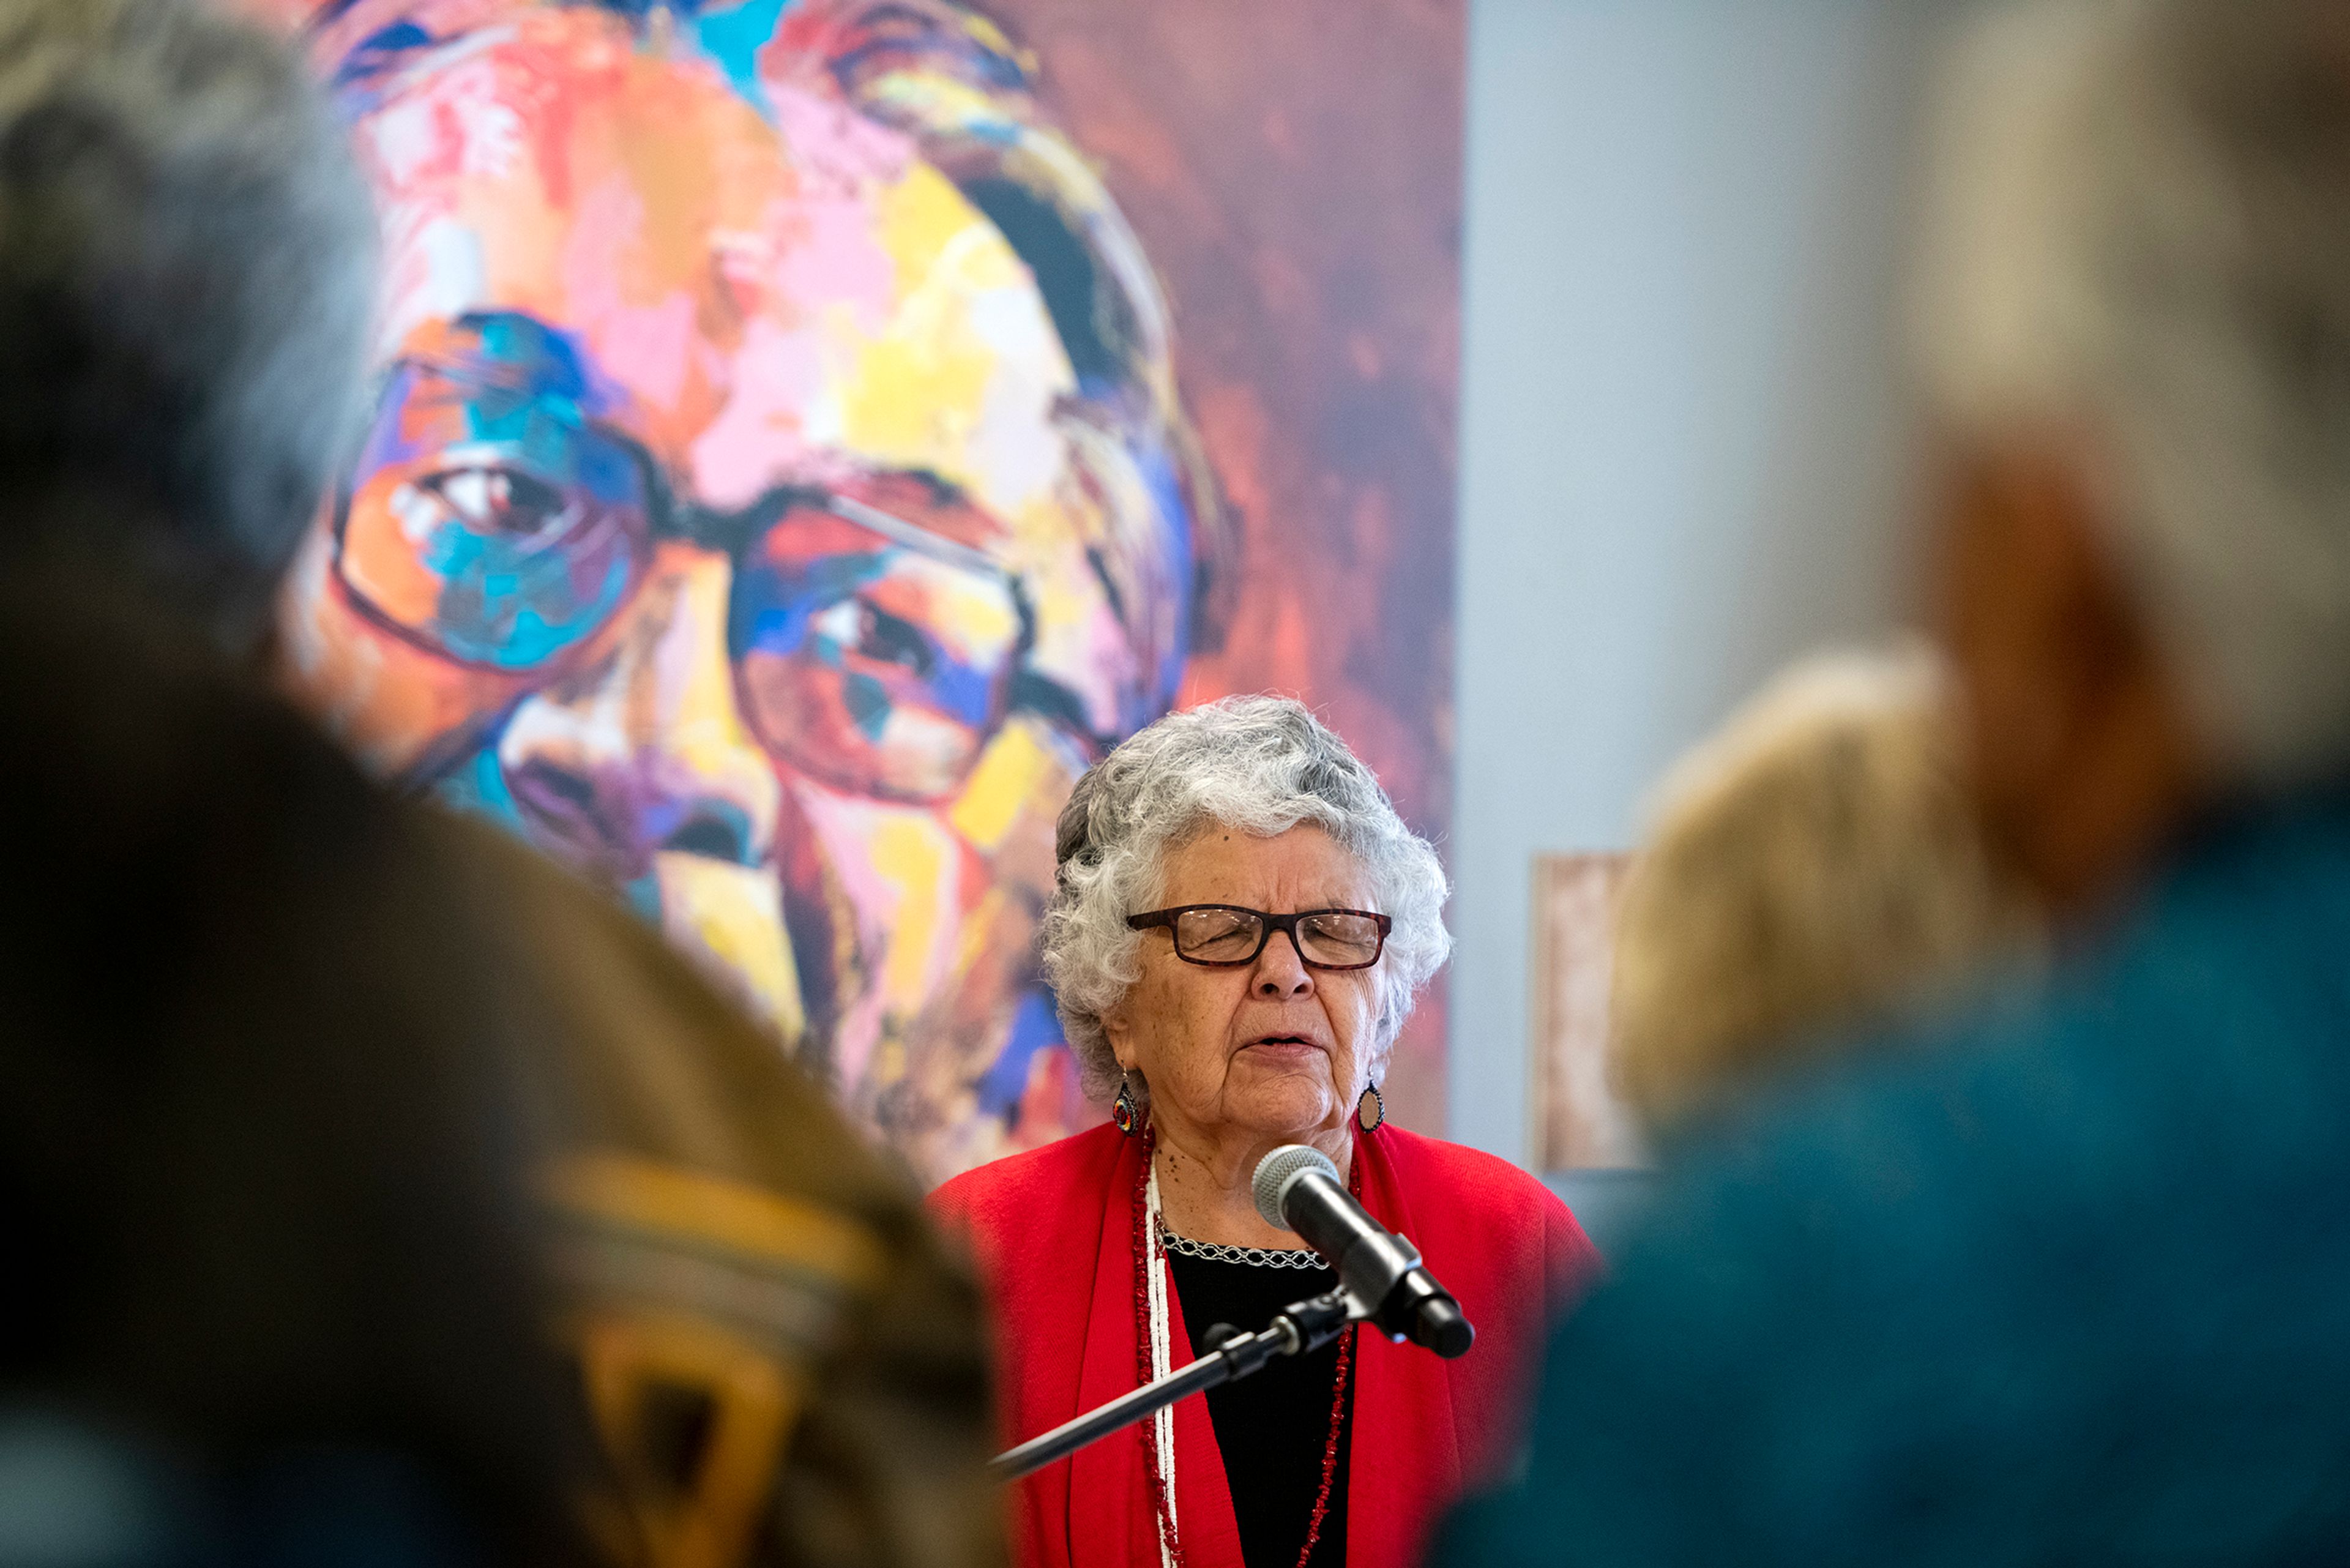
(1273, 1174)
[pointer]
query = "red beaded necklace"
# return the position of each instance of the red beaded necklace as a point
(1172, 1548)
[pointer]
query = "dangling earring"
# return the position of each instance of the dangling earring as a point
(1125, 1112)
(1378, 1117)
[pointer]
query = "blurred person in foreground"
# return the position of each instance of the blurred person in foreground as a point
(1815, 869)
(2069, 1287)
(263, 1139)
(1239, 925)
(779, 1361)
(263, 1149)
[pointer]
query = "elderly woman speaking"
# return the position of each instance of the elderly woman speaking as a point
(1239, 925)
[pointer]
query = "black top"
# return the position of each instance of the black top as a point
(1272, 1427)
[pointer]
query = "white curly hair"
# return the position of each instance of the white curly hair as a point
(2136, 231)
(1260, 765)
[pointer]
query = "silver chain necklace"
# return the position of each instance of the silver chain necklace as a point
(1219, 1252)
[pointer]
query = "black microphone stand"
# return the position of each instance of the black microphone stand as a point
(1295, 1330)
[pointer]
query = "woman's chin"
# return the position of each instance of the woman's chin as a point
(1291, 1112)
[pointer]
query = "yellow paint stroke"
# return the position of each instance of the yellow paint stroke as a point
(911, 856)
(916, 396)
(1006, 782)
(703, 721)
(731, 912)
(983, 929)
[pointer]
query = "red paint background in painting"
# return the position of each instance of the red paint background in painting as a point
(1295, 173)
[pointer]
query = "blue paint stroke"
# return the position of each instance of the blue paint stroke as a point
(1035, 1027)
(733, 36)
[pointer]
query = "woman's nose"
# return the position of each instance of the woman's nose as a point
(1281, 972)
(645, 751)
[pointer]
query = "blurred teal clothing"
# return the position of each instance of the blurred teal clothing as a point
(2065, 1283)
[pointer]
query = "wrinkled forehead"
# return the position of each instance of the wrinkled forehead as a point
(760, 301)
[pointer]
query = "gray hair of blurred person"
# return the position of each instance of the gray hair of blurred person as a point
(2139, 238)
(186, 276)
(1260, 765)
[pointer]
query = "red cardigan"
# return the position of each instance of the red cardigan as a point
(1053, 1230)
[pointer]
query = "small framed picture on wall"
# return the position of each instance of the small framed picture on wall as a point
(1579, 1122)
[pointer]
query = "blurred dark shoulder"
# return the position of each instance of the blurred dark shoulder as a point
(286, 1039)
(262, 1151)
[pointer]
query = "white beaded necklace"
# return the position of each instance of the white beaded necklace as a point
(1162, 1424)
(1156, 1283)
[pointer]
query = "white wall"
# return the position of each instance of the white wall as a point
(1684, 453)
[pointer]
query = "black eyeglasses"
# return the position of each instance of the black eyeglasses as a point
(1226, 936)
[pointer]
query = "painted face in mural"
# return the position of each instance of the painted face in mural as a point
(736, 524)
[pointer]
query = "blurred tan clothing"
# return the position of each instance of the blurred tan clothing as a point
(783, 1363)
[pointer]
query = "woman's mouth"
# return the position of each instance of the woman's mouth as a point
(1283, 1044)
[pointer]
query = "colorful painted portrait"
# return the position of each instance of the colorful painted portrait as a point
(788, 472)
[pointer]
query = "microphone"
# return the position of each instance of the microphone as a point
(1297, 1188)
